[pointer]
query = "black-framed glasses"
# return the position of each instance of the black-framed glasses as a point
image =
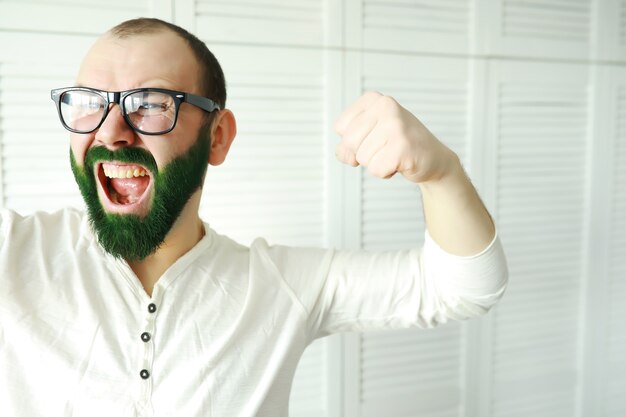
(151, 111)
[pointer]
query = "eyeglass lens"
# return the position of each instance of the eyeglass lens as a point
(147, 111)
(82, 110)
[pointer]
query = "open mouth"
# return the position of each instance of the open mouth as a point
(124, 187)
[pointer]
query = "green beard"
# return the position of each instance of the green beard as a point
(129, 236)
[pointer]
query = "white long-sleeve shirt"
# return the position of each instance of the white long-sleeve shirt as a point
(225, 326)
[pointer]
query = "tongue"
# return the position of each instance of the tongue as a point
(129, 190)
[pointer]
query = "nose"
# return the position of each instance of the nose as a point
(115, 133)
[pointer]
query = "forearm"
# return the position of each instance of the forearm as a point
(456, 217)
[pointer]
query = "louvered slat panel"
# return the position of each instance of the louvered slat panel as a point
(273, 10)
(392, 214)
(292, 22)
(551, 19)
(615, 393)
(539, 404)
(411, 372)
(308, 396)
(545, 29)
(35, 148)
(272, 183)
(541, 131)
(66, 16)
(388, 371)
(430, 16)
(423, 25)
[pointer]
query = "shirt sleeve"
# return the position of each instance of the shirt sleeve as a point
(344, 291)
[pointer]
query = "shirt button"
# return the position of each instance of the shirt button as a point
(151, 308)
(145, 336)
(144, 374)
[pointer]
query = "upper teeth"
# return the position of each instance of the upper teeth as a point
(124, 172)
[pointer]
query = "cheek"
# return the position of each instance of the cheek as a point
(187, 130)
(168, 147)
(79, 145)
(162, 150)
(165, 148)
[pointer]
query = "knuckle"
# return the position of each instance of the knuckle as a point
(372, 94)
(387, 102)
(374, 171)
(361, 158)
(342, 150)
(378, 170)
(350, 140)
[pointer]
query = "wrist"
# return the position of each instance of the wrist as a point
(452, 175)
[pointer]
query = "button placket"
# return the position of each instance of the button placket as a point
(146, 338)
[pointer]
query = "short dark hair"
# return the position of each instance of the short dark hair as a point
(213, 84)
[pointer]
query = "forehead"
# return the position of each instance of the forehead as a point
(161, 59)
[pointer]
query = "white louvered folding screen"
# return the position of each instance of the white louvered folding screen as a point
(522, 125)
(541, 126)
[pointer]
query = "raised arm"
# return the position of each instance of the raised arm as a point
(381, 135)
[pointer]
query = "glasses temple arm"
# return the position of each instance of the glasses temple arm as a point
(202, 102)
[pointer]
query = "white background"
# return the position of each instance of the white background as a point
(530, 93)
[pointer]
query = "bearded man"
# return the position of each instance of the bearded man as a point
(138, 308)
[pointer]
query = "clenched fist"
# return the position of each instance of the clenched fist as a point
(381, 135)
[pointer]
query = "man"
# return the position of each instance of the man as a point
(140, 309)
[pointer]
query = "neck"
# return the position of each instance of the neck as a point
(186, 232)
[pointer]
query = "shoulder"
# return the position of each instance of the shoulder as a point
(301, 268)
(41, 219)
(40, 226)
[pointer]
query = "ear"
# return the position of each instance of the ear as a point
(223, 131)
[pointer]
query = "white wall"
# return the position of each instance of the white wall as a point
(530, 93)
